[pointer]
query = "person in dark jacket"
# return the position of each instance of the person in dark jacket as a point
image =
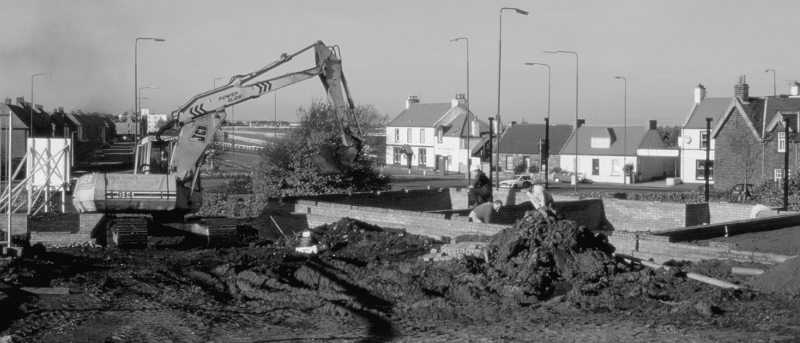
(483, 213)
(481, 189)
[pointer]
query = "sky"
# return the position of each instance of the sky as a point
(393, 49)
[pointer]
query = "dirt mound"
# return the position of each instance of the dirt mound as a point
(783, 278)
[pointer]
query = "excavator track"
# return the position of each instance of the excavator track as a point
(221, 232)
(129, 232)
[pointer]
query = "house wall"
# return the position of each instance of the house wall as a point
(457, 157)
(691, 153)
(419, 140)
(734, 140)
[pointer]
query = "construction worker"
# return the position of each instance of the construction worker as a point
(481, 190)
(483, 213)
(542, 201)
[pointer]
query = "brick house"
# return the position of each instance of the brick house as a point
(751, 141)
(604, 150)
(519, 144)
(423, 134)
(694, 139)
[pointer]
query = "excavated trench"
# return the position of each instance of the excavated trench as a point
(374, 276)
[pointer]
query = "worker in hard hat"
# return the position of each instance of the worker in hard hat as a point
(481, 190)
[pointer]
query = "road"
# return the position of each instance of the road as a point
(416, 181)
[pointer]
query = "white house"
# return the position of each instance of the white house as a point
(694, 140)
(423, 134)
(153, 120)
(604, 150)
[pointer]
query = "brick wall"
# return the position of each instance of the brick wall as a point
(722, 211)
(732, 143)
(19, 224)
(412, 200)
(88, 223)
(631, 215)
(660, 250)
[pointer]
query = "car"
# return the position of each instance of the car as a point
(520, 181)
(561, 176)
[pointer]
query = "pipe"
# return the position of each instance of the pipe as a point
(693, 276)
(746, 271)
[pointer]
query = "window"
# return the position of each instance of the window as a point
(781, 141)
(616, 167)
(422, 135)
(396, 135)
(509, 163)
(441, 133)
(409, 135)
(423, 156)
(703, 139)
(598, 142)
(700, 171)
(595, 166)
(397, 153)
(779, 174)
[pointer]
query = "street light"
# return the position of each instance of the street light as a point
(774, 87)
(467, 121)
(547, 124)
(576, 109)
(499, 64)
(136, 81)
(32, 103)
(625, 130)
(139, 103)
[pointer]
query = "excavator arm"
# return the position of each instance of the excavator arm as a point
(200, 118)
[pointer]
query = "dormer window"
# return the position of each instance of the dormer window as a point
(599, 142)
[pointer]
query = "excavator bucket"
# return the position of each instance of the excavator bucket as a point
(331, 159)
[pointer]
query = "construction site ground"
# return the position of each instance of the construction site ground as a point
(550, 282)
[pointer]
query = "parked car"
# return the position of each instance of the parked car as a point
(520, 181)
(562, 176)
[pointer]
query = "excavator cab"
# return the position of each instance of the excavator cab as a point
(153, 156)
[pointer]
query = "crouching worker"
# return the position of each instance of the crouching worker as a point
(483, 213)
(481, 190)
(542, 201)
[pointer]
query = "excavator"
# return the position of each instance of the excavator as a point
(165, 183)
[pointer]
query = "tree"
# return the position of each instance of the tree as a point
(285, 167)
(669, 134)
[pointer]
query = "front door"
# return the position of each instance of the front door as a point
(595, 166)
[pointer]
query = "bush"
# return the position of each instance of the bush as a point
(519, 168)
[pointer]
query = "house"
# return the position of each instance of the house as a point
(752, 143)
(520, 145)
(602, 151)
(41, 120)
(694, 136)
(423, 134)
(19, 134)
(155, 122)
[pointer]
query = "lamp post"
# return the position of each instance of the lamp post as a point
(32, 103)
(774, 87)
(139, 103)
(576, 110)
(546, 148)
(467, 121)
(136, 82)
(499, 64)
(625, 129)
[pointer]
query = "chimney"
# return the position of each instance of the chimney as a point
(8, 101)
(653, 124)
(699, 93)
(795, 89)
(459, 100)
(742, 90)
(61, 109)
(412, 99)
(39, 107)
(476, 130)
(580, 123)
(21, 100)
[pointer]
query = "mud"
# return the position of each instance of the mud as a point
(548, 281)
